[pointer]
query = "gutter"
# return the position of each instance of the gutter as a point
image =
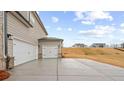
(23, 18)
(5, 34)
(5, 39)
(40, 22)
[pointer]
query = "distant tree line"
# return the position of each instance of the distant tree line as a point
(98, 45)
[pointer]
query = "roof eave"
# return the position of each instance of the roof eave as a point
(40, 22)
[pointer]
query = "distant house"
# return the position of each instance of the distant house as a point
(98, 45)
(122, 45)
(79, 45)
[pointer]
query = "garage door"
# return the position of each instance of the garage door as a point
(23, 52)
(50, 51)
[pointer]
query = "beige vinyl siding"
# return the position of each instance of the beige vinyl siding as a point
(20, 31)
(17, 28)
(37, 31)
(25, 14)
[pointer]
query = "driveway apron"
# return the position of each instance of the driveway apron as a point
(66, 69)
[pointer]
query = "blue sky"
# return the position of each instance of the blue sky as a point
(84, 27)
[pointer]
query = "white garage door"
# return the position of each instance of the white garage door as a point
(23, 52)
(50, 51)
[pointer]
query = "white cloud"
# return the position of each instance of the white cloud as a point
(91, 17)
(98, 31)
(121, 39)
(111, 36)
(87, 22)
(122, 30)
(100, 15)
(122, 25)
(79, 16)
(113, 24)
(69, 29)
(54, 19)
(59, 28)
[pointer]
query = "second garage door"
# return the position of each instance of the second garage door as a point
(50, 51)
(23, 52)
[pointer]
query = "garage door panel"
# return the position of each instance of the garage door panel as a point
(23, 52)
(50, 51)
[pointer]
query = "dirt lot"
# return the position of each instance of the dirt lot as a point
(105, 55)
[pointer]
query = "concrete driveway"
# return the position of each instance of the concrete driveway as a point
(68, 69)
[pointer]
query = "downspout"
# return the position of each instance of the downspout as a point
(3, 43)
(5, 38)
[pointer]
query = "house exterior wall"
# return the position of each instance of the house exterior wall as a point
(1, 40)
(25, 14)
(20, 31)
(49, 43)
(79, 46)
(2, 63)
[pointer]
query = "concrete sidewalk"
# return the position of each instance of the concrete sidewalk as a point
(66, 69)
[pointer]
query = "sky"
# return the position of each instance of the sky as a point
(84, 26)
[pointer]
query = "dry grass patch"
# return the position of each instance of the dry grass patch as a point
(105, 55)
